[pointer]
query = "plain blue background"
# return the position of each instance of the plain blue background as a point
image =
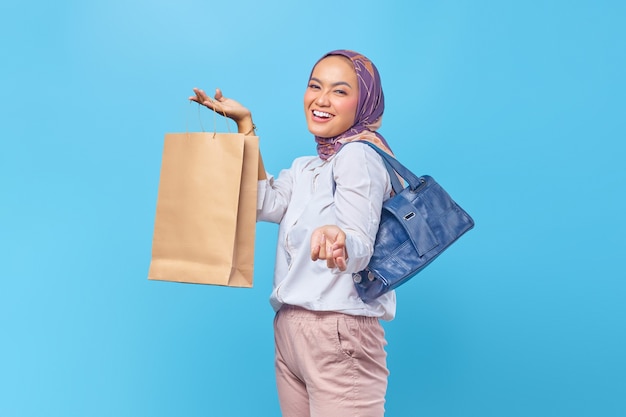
(517, 108)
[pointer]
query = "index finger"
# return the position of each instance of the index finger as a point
(315, 245)
(322, 253)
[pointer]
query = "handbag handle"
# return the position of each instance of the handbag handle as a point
(395, 167)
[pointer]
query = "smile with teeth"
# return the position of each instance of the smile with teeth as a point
(322, 114)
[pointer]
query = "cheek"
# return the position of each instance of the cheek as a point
(308, 98)
(349, 106)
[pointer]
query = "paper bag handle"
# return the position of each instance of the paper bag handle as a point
(214, 119)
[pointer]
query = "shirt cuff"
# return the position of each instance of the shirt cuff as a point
(359, 255)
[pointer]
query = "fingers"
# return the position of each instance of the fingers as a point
(318, 245)
(331, 252)
(339, 257)
(336, 256)
(218, 94)
(323, 247)
(340, 261)
(339, 238)
(195, 98)
(329, 243)
(202, 98)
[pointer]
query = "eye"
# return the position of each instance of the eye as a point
(314, 86)
(341, 92)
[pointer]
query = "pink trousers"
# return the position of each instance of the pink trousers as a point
(329, 364)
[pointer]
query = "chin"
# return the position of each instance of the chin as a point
(321, 132)
(317, 131)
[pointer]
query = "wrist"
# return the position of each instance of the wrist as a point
(246, 126)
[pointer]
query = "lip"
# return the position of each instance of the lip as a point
(321, 119)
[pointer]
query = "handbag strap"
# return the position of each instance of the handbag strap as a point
(395, 167)
(396, 185)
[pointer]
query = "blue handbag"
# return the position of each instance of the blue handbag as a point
(417, 224)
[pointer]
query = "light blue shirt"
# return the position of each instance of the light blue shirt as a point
(347, 190)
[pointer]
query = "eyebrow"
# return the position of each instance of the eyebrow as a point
(334, 84)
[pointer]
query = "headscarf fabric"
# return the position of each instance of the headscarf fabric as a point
(369, 112)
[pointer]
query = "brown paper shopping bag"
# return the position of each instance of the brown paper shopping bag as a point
(205, 220)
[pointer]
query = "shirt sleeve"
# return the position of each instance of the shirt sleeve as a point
(362, 184)
(273, 196)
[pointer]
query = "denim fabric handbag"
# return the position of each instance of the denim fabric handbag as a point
(417, 224)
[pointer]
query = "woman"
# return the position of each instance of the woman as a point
(330, 357)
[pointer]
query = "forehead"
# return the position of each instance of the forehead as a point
(335, 67)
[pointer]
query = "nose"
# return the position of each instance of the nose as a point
(322, 99)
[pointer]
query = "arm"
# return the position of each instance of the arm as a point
(362, 183)
(234, 110)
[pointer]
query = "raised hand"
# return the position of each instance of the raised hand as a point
(225, 106)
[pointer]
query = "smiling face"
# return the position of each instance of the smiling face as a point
(332, 97)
